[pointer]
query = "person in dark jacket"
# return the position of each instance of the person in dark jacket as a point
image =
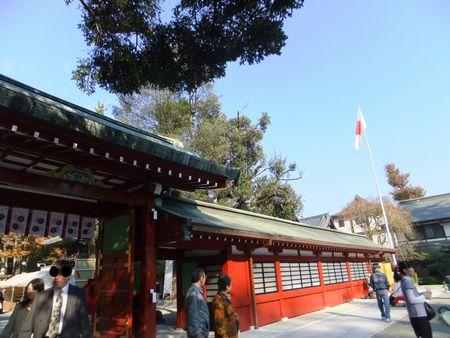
(22, 309)
(197, 316)
(59, 312)
(380, 284)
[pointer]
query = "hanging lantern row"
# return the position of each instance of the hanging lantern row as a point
(44, 223)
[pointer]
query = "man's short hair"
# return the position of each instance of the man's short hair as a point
(63, 263)
(197, 275)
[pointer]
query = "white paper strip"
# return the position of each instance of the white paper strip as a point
(56, 224)
(87, 227)
(72, 226)
(3, 218)
(38, 223)
(19, 220)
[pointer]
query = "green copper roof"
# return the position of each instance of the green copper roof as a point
(428, 208)
(222, 219)
(18, 97)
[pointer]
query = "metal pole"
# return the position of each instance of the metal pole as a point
(390, 240)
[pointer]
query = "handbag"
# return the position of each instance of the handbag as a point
(429, 310)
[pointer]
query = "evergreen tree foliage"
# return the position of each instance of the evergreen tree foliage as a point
(135, 44)
(196, 118)
(399, 181)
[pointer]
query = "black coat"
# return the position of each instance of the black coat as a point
(75, 321)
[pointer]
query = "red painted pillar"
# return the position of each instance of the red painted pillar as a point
(322, 284)
(350, 281)
(147, 325)
(279, 287)
(252, 286)
(181, 320)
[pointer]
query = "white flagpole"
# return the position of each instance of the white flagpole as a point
(388, 231)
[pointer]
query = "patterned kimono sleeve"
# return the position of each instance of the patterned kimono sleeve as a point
(219, 318)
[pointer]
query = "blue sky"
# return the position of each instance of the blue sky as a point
(392, 57)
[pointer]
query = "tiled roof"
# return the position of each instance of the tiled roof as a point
(428, 208)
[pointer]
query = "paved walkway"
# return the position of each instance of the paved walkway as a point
(356, 319)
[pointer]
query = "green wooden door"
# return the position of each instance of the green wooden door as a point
(114, 288)
(186, 272)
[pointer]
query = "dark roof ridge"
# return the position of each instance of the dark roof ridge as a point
(103, 127)
(83, 109)
(425, 197)
(254, 214)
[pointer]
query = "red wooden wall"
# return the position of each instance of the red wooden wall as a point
(272, 307)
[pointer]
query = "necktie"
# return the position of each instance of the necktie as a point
(56, 316)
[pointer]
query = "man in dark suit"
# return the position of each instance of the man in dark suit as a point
(59, 312)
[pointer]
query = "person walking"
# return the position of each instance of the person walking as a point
(380, 284)
(22, 309)
(226, 323)
(2, 299)
(58, 312)
(197, 316)
(415, 301)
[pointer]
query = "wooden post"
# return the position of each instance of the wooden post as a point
(130, 252)
(147, 325)
(322, 282)
(180, 296)
(349, 275)
(252, 287)
(279, 286)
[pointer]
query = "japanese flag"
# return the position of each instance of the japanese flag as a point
(38, 223)
(72, 226)
(360, 126)
(3, 218)
(87, 227)
(56, 224)
(19, 220)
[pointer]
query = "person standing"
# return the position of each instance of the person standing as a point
(396, 293)
(58, 312)
(22, 309)
(197, 316)
(225, 319)
(380, 284)
(415, 302)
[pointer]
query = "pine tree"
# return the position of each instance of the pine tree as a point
(402, 190)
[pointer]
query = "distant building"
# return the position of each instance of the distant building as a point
(344, 224)
(320, 221)
(431, 220)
